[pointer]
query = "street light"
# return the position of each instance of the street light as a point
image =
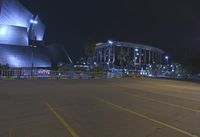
(136, 50)
(108, 64)
(110, 42)
(166, 58)
(33, 22)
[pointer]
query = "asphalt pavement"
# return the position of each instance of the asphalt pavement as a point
(99, 108)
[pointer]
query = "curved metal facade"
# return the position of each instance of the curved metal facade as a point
(21, 56)
(18, 27)
(13, 13)
(12, 35)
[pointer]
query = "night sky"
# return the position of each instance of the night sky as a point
(173, 26)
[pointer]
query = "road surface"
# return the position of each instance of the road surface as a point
(99, 108)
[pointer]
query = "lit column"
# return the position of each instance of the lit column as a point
(140, 56)
(113, 51)
(145, 56)
(108, 54)
(149, 57)
(101, 54)
(153, 56)
(133, 51)
(104, 56)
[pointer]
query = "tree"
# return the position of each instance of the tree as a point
(124, 59)
(193, 64)
(89, 49)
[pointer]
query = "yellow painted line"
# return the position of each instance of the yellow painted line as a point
(8, 79)
(52, 78)
(165, 103)
(63, 78)
(148, 118)
(62, 121)
(32, 78)
(10, 132)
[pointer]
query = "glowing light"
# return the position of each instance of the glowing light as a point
(44, 72)
(3, 30)
(33, 21)
(136, 50)
(110, 42)
(166, 57)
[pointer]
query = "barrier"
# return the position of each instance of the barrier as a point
(13, 74)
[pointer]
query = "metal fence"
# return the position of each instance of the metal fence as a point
(49, 74)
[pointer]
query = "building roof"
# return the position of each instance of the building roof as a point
(131, 45)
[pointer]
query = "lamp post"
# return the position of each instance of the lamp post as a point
(167, 59)
(33, 22)
(110, 42)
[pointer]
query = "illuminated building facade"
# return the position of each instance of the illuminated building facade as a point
(123, 54)
(20, 33)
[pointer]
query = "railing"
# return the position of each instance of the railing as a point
(49, 74)
(28, 73)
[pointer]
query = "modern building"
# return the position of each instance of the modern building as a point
(123, 54)
(21, 37)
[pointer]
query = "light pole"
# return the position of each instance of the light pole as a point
(109, 54)
(33, 22)
(167, 59)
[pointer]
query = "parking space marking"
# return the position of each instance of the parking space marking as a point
(62, 121)
(147, 118)
(163, 102)
(10, 132)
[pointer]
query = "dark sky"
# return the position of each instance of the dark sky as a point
(173, 26)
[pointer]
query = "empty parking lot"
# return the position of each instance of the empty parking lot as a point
(99, 108)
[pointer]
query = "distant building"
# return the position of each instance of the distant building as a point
(21, 37)
(123, 54)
